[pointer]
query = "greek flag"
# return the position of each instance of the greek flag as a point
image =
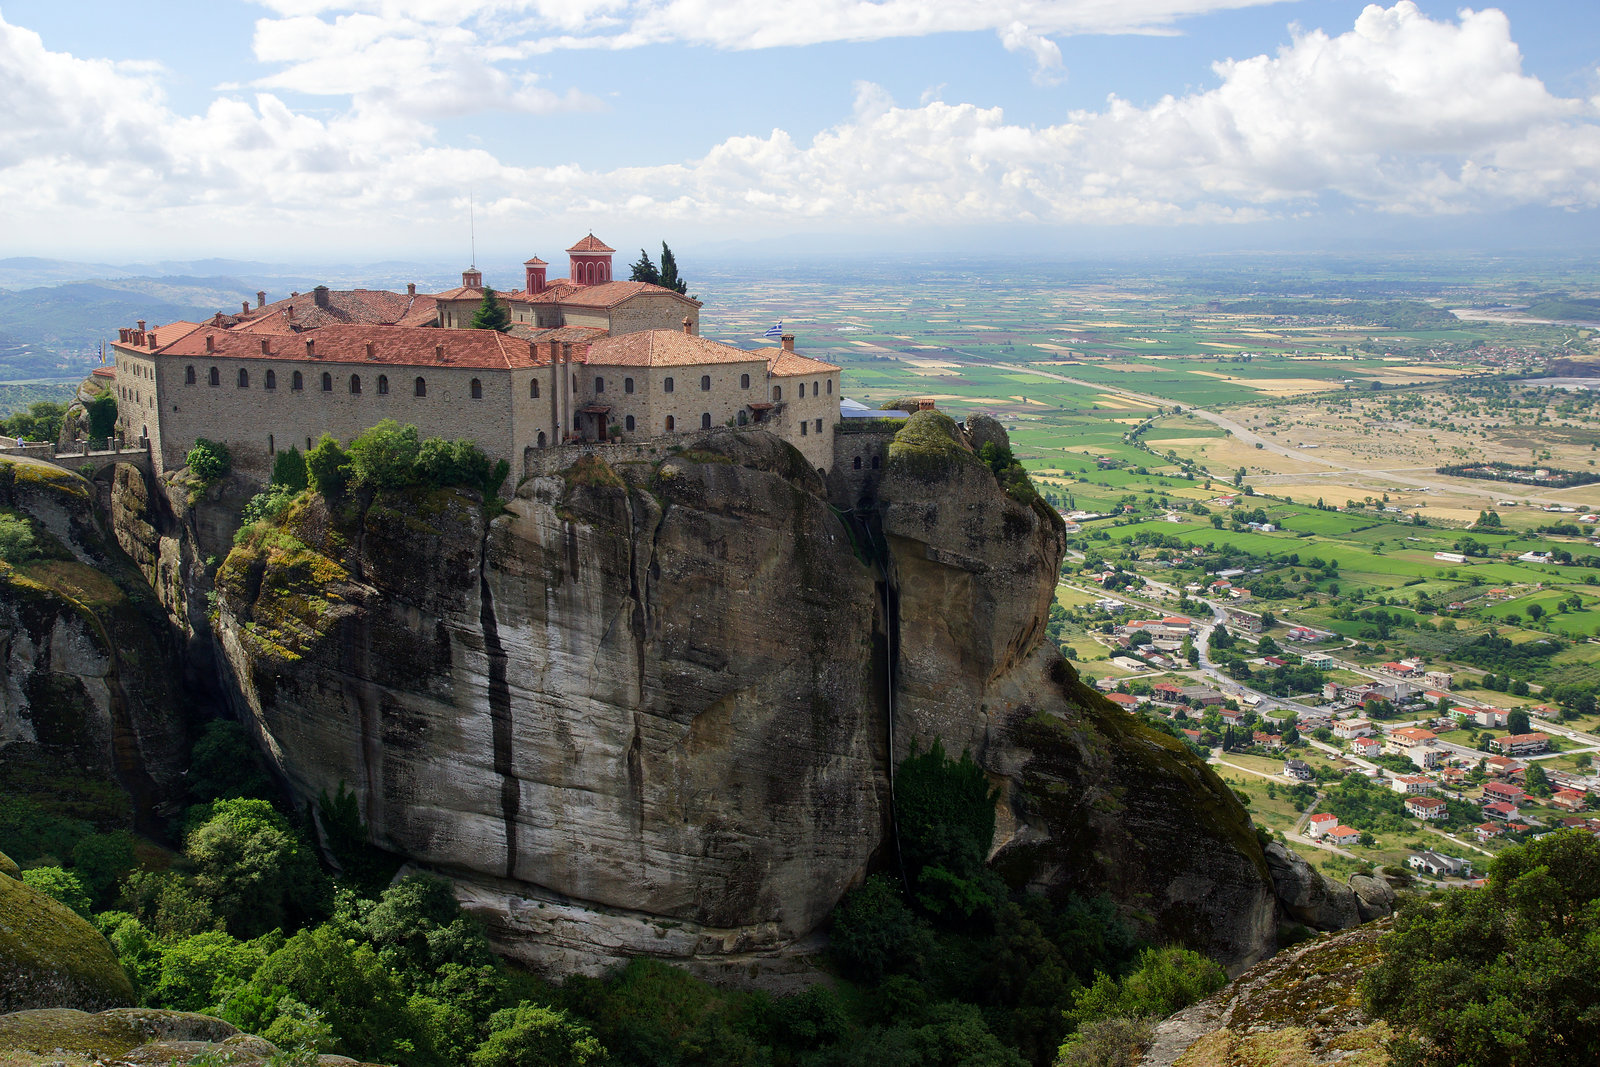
(775, 330)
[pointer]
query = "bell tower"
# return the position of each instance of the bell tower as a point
(590, 261)
(534, 271)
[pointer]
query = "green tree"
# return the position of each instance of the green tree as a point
(1502, 974)
(876, 933)
(195, 973)
(289, 470)
(532, 1035)
(1163, 981)
(328, 467)
(384, 456)
(644, 270)
(102, 860)
(944, 812)
(60, 885)
(223, 764)
(1517, 722)
(254, 867)
(209, 460)
(101, 415)
(491, 314)
(669, 271)
(41, 422)
(1536, 781)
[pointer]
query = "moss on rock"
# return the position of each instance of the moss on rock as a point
(8, 867)
(52, 958)
(929, 447)
(71, 1038)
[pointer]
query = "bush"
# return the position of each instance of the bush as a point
(328, 467)
(101, 861)
(383, 457)
(17, 541)
(944, 811)
(223, 764)
(532, 1035)
(268, 504)
(60, 885)
(101, 415)
(255, 869)
(209, 460)
(1106, 1043)
(1165, 980)
(875, 933)
(289, 469)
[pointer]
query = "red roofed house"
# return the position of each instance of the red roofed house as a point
(1347, 729)
(1366, 747)
(1426, 807)
(1500, 810)
(1500, 766)
(1571, 799)
(587, 357)
(1486, 830)
(1127, 701)
(1321, 823)
(1167, 692)
(1410, 736)
(1520, 744)
(1411, 784)
(1344, 835)
(1502, 791)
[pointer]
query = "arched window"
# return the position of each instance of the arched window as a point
(541, 439)
(672, 424)
(666, 386)
(627, 424)
(777, 393)
(270, 380)
(627, 385)
(816, 389)
(744, 381)
(858, 463)
(327, 382)
(383, 385)
(533, 389)
(705, 383)
(830, 386)
(743, 418)
(477, 389)
(355, 383)
(877, 461)
(599, 385)
(705, 421)
(298, 382)
(420, 387)
(802, 390)
(577, 422)
(188, 376)
(215, 377)
(244, 378)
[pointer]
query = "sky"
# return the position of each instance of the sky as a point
(372, 129)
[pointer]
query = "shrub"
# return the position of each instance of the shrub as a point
(875, 933)
(17, 541)
(271, 502)
(383, 457)
(254, 868)
(532, 1035)
(328, 467)
(209, 460)
(60, 885)
(1165, 980)
(289, 469)
(101, 415)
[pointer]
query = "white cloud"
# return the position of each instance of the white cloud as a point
(1046, 54)
(1401, 113)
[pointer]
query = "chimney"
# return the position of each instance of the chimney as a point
(438, 353)
(211, 343)
(261, 299)
(788, 342)
(152, 340)
(566, 351)
(141, 326)
(320, 296)
(122, 334)
(688, 327)
(244, 307)
(266, 347)
(372, 350)
(311, 349)
(411, 288)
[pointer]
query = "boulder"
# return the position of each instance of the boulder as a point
(986, 429)
(8, 867)
(1309, 896)
(69, 1038)
(52, 958)
(1374, 896)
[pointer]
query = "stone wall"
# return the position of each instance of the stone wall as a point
(860, 454)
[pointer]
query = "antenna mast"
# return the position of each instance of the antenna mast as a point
(472, 227)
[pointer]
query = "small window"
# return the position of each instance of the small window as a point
(628, 423)
(830, 386)
(803, 426)
(308, 444)
(244, 378)
(743, 418)
(858, 463)
(188, 376)
(877, 461)
(327, 382)
(802, 390)
(816, 389)
(627, 385)
(383, 385)
(777, 393)
(355, 383)
(819, 425)
(541, 439)
(672, 423)
(666, 386)
(215, 376)
(599, 385)
(744, 381)
(419, 387)
(477, 389)
(272, 448)
(705, 421)
(533, 389)
(270, 380)
(298, 382)
(577, 422)
(705, 383)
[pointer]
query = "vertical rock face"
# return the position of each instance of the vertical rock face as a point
(647, 710)
(89, 667)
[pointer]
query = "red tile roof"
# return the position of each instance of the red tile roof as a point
(591, 243)
(782, 364)
(369, 306)
(665, 348)
(404, 346)
(604, 295)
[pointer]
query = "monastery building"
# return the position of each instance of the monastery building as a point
(587, 358)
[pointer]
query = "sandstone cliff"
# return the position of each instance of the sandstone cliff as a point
(651, 708)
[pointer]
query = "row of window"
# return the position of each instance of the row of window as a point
(297, 382)
(803, 427)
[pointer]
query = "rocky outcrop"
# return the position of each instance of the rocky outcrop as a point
(1303, 1006)
(90, 669)
(1375, 897)
(52, 958)
(8, 867)
(1309, 896)
(63, 1037)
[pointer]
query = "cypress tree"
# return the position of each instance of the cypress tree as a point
(645, 271)
(491, 314)
(669, 272)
